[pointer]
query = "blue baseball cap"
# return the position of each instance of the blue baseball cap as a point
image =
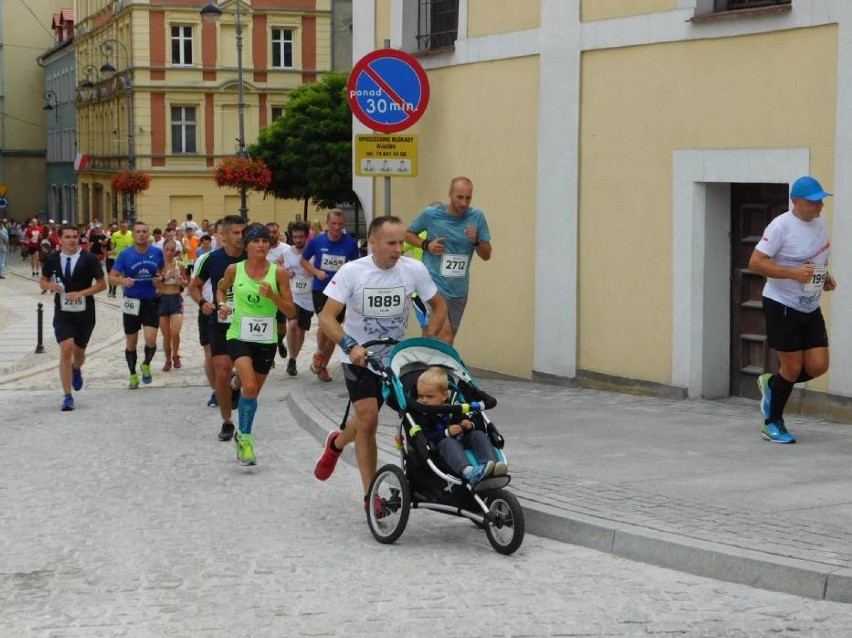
(808, 188)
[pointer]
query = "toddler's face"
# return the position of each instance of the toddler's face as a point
(431, 394)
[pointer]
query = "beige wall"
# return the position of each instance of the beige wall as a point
(635, 112)
(487, 17)
(25, 36)
(382, 22)
(474, 126)
(591, 10)
(172, 196)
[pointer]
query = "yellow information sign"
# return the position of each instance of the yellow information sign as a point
(3, 189)
(386, 155)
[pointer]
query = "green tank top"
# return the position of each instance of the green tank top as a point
(254, 315)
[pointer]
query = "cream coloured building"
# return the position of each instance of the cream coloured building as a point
(24, 34)
(628, 154)
(184, 106)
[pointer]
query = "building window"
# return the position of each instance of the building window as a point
(183, 129)
(437, 24)
(182, 45)
(277, 112)
(282, 48)
(732, 5)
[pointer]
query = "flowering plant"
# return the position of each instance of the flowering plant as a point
(239, 172)
(131, 182)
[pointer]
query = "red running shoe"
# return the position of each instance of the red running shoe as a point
(327, 462)
(378, 507)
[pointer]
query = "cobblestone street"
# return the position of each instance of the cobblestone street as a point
(126, 517)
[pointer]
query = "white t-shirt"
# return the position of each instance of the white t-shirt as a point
(378, 300)
(276, 255)
(207, 288)
(792, 242)
(300, 281)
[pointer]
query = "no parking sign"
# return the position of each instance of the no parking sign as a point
(388, 90)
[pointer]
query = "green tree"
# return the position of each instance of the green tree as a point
(309, 149)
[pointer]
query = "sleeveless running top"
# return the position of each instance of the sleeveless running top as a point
(254, 315)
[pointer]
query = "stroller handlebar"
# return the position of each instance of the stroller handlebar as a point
(484, 400)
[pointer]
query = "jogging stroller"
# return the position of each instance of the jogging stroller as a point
(424, 480)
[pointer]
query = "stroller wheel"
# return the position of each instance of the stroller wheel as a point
(388, 504)
(504, 525)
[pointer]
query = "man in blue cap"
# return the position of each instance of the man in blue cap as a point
(793, 256)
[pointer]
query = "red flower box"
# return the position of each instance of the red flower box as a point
(238, 172)
(131, 182)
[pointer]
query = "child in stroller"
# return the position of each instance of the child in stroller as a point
(452, 436)
(424, 479)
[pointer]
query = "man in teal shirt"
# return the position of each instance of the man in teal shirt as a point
(454, 232)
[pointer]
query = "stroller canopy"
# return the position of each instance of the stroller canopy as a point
(418, 354)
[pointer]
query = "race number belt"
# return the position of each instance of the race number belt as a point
(454, 265)
(257, 329)
(817, 280)
(300, 285)
(131, 306)
(332, 263)
(383, 302)
(71, 305)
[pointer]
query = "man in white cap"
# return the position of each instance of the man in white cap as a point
(793, 256)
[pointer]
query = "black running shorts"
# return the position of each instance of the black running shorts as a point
(362, 384)
(790, 330)
(74, 325)
(262, 354)
(149, 315)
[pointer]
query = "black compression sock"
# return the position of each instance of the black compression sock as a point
(803, 377)
(130, 356)
(781, 389)
(150, 351)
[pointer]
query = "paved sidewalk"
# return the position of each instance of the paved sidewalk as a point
(688, 485)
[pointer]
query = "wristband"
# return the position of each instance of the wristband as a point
(201, 302)
(476, 243)
(346, 343)
(425, 245)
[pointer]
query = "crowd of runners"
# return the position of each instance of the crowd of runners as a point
(257, 288)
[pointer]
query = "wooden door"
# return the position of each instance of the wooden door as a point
(753, 206)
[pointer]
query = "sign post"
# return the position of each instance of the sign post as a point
(388, 91)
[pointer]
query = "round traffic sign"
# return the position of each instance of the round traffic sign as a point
(4, 202)
(388, 90)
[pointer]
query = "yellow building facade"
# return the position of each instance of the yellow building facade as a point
(182, 74)
(24, 33)
(619, 149)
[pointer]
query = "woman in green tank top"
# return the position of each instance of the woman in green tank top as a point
(260, 288)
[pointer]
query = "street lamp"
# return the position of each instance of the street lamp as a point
(87, 85)
(211, 13)
(108, 70)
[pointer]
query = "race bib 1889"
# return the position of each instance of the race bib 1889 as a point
(383, 302)
(454, 265)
